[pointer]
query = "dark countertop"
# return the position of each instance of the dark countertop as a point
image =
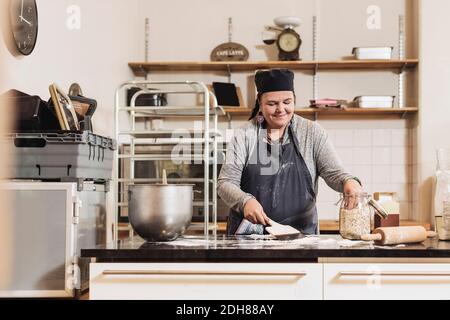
(247, 249)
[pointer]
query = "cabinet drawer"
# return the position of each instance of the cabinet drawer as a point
(386, 281)
(205, 281)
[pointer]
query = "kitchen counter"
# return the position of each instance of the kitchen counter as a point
(325, 267)
(251, 249)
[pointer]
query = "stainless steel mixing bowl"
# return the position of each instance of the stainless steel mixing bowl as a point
(160, 212)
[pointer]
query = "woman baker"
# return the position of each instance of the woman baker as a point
(274, 161)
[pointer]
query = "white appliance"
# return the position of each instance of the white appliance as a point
(50, 222)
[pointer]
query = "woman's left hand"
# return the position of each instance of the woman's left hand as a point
(351, 188)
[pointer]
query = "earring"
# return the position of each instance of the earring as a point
(260, 118)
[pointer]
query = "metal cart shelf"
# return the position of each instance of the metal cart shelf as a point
(207, 139)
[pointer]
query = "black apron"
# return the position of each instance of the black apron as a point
(286, 195)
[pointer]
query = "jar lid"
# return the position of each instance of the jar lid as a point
(379, 209)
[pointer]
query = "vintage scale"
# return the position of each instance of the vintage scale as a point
(288, 40)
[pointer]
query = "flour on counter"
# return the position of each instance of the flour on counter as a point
(352, 243)
(261, 237)
(265, 241)
(321, 242)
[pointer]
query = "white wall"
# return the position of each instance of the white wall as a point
(112, 34)
(379, 151)
(95, 56)
(189, 30)
(434, 117)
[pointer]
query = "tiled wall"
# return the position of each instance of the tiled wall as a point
(381, 158)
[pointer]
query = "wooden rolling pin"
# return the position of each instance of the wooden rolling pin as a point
(398, 235)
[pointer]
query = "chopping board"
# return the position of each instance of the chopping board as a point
(398, 235)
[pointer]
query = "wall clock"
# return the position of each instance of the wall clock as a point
(23, 15)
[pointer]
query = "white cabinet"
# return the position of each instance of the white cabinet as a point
(386, 281)
(269, 281)
(232, 281)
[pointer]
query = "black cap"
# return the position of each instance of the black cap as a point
(274, 80)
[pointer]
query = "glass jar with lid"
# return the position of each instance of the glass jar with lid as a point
(355, 216)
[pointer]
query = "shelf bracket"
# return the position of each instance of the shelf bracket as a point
(316, 82)
(404, 114)
(229, 73)
(142, 70)
(230, 119)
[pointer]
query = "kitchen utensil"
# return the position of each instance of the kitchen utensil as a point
(84, 109)
(152, 98)
(75, 90)
(64, 109)
(288, 40)
(157, 124)
(282, 232)
(160, 212)
(398, 235)
(287, 22)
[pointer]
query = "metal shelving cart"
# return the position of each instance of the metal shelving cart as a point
(159, 138)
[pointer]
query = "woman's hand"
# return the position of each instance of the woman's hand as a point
(351, 188)
(254, 212)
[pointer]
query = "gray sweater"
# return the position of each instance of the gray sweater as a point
(315, 147)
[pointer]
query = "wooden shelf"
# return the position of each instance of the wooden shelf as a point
(141, 68)
(335, 112)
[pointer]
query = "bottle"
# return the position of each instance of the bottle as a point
(442, 186)
(446, 216)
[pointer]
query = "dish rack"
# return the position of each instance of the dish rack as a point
(159, 139)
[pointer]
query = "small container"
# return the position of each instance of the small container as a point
(373, 53)
(388, 201)
(60, 155)
(354, 216)
(375, 101)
